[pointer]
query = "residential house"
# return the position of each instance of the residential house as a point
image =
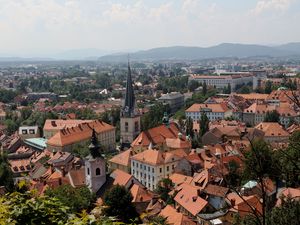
(273, 132)
(163, 137)
(174, 99)
(188, 201)
(174, 217)
(121, 161)
(213, 111)
(150, 166)
(67, 138)
(51, 127)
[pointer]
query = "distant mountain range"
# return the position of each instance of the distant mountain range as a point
(171, 53)
(218, 51)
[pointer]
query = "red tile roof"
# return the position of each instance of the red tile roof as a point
(188, 198)
(155, 157)
(82, 132)
(174, 217)
(122, 158)
(156, 135)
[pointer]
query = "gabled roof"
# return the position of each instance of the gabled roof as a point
(79, 133)
(155, 157)
(62, 124)
(140, 193)
(219, 107)
(178, 179)
(216, 190)
(122, 158)
(259, 108)
(77, 177)
(174, 217)
(188, 198)
(120, 177)
(157, 135)
(241, 205)
(272, 129)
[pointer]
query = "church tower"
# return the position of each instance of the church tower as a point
(95, 169)
(130, 120)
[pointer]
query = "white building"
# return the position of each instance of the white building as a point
(213, 111)
(150, 166)
(222, 81)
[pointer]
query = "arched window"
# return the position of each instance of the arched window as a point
(97, 171)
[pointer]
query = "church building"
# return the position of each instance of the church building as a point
(130, 120)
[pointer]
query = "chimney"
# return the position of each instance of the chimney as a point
(194, 198)
(232, 202)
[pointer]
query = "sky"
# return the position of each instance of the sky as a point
(40, 27)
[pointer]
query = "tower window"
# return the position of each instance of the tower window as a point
(126, 126)
(98, 172)
(136, 126)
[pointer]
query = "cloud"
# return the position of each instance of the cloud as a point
(269, 5)
(55, 25)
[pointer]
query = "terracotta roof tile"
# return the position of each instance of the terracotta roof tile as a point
(174, 217)
(213, 107)
(122, 158)
(272, 129)
(75, 134)
(188, 198)
(120, 177)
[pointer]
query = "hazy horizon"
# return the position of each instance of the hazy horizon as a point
(44, 28)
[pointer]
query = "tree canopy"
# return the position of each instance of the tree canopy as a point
(77, 199)
(118, 201)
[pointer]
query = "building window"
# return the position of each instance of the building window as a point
(31, 131)
(173, 166)
(98, 172)
(126, 126)
(133, 164)
(152, 170)
(168, 168)
(160, 170)
(24, 131)
(88, 171)
(136, 126)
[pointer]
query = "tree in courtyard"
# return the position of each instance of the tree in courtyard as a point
(118, 201)
(204, 89)
(268, 87)
(272, 116)
(189, 131)
(193, 85)
(204, 124)
(163, 188)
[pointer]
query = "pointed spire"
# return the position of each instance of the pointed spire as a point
(94, 146)
(129, 95)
